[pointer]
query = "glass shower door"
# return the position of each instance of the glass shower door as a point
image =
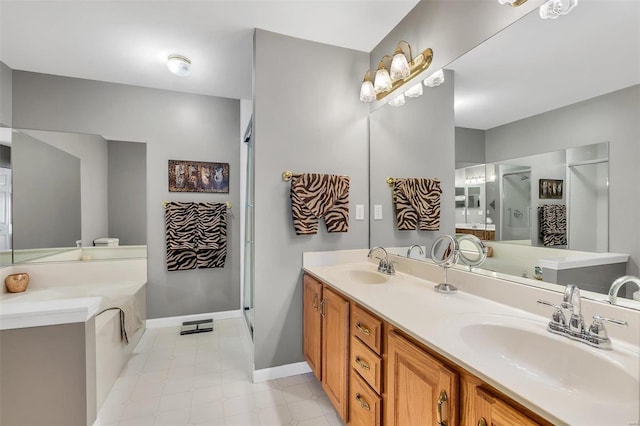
(516, 206)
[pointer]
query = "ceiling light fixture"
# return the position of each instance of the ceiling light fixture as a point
(435, 79)
(392, 73)
(554, 8)
(179, 65)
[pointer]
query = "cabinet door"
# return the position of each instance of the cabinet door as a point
(493, 411)
(312, 324)
(335, 350)
(420, 389)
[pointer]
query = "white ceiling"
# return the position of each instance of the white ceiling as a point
(533, 66)
(128, 41)
(537, 65)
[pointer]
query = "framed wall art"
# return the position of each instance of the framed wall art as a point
(198, 176)
(550, 189)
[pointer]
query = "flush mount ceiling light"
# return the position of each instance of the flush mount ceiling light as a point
(554, 8)
(179, 65)
(392, 73)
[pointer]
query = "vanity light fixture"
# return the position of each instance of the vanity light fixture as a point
(390, 72)
(513, 3)
(435, 79)
(554, 8)
(179, 65)
(414, 91)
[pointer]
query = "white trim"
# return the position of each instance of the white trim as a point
(173, 321)
(280, 371)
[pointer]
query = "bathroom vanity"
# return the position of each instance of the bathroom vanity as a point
(389, 350)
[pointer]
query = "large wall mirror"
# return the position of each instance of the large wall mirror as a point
(66, 193)
(542, 128)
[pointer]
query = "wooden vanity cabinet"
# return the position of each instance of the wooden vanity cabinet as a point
(326, 340)
(420, 390)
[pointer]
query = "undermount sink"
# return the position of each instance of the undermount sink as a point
(362, 273)
(551, 360)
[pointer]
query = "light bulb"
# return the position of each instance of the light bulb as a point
(367, 92)
(399, 66)
(382, 82)
(414, 91)
(397, 101)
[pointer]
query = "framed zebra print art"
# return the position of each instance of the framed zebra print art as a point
(198, 176)
(550, 189)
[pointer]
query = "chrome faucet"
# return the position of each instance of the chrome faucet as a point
(411, 249)
(618, 283)
(78, 243)
(384, 265)
(596, 336)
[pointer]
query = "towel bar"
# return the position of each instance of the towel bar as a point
(165, 202)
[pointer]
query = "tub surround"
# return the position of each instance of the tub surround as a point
(432, 318)
(57, 355)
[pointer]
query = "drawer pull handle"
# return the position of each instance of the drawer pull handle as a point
(362, 364)
(363, 330)
(363, 404)
(322, 308)
(315, 302)
(441, 400)
(482, 422)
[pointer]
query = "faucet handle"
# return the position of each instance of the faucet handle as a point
(599, 319)
(598, 334)
(390, 268)
(558, 318)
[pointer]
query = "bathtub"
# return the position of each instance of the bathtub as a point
(111, 353)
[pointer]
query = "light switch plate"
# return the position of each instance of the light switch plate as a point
(359, 211)
(377, 212)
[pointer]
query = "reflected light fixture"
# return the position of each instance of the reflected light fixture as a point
(435, 79)
(554, 8)
(513, 3)
(382, 82)
(367, 92)
(398, 100)
(400, 64)
(414, 91)
(179, 65)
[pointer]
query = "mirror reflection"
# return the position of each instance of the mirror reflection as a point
(75, 197)
(536, 130)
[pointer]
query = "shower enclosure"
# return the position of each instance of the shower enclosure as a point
(516, 206)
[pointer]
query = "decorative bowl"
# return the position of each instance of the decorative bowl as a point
(17, 283)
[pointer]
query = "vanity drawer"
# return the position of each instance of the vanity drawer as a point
(367, 363)
(365, 407)
(367, 328)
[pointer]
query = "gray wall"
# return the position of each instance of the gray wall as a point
(6, 94)
(612, 117)
(47, 214)
(127, 193)
(175, 126)
(308, 118)
(469, 147)
(405, 144)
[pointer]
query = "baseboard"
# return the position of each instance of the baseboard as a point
(280, 371)
(175, 321)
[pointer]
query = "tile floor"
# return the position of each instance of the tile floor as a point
(204, 379)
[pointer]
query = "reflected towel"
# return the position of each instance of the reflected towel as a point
(417, 203)
(553, 224)
(315, 196)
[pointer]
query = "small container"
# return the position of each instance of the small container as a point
(17, 283)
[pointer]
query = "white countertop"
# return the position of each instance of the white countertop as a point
(583, 260)
(436, 320)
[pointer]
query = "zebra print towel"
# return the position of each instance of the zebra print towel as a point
(553, 224)
(417, 203)
(315, 196)
(196, 235)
